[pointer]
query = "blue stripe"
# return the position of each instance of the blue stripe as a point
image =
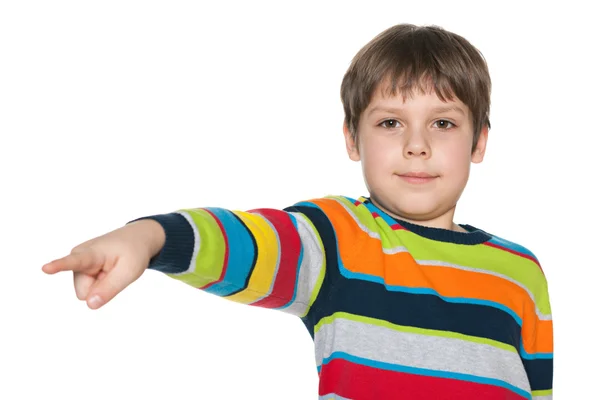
(494, 239)
(240, 261)
(300, 258)
(423, 372)
(380, 280)
(464, 300)
(388, 220)
(534, 356)
(511, 246)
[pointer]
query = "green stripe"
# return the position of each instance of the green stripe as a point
(487, 258)
(541, 392)
(409, 329)
(211, 256)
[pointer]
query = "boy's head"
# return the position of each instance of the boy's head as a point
(416, 102)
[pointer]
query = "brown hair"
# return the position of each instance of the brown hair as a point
(407, 57)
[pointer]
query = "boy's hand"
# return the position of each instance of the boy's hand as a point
(104, 266)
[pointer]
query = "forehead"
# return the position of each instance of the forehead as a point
(423, 93)
(404, 88)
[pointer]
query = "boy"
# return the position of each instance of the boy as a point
(401, 302)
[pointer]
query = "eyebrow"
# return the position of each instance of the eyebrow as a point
(441, 109)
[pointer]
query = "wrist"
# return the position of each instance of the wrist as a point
(153, 235)
(169, 239)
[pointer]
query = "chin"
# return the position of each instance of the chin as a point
(420, 207)
(416, 207)
(411, 210)
(417, 213)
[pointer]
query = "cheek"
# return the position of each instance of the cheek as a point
(379, 159)
(379, 152)
(378, 163)
(456, 160)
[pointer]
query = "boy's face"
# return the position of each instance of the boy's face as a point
(423, 136)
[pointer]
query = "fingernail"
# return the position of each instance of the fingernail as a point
(95, 301)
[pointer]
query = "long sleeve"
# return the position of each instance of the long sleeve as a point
(537, 352)
(265, 257)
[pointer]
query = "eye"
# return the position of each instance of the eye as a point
(389, 123)
(444, 124)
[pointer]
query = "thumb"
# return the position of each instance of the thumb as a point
(106, 287)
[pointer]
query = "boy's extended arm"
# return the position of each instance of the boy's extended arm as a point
(265, 257)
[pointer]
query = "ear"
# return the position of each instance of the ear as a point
(479, 152)
(351, 145)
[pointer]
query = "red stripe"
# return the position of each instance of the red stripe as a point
(527, 256)
(395, 226)
(289, 251)
(358, 382)
(225, 259)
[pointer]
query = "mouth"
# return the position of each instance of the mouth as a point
(417, 177)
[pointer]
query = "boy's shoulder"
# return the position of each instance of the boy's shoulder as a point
(337, 205)
(345, 213)
(330, 200)
(521, 260)
(511, 256)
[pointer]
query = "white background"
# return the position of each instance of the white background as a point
(114, 110)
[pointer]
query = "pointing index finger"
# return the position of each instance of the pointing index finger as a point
(84, 261)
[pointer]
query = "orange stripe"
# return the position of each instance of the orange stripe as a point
(347, 232)
(540, 338)
(452, 282)
(447, 281)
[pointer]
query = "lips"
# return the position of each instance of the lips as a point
(417, 177)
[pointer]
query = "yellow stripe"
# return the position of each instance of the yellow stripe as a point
(263, 274)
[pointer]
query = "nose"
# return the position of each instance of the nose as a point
(416, 146)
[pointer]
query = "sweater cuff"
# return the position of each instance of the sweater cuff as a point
(177, 252)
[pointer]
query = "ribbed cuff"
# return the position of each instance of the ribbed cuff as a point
(176, 254)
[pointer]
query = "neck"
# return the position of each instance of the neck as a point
(443, 221)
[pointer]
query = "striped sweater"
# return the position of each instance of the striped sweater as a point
(396, 310)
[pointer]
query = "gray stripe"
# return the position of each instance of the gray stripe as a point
(310, 267)
(420, 351)
(394, 250)
(548, 397)
(332, 396)
(541, 316)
